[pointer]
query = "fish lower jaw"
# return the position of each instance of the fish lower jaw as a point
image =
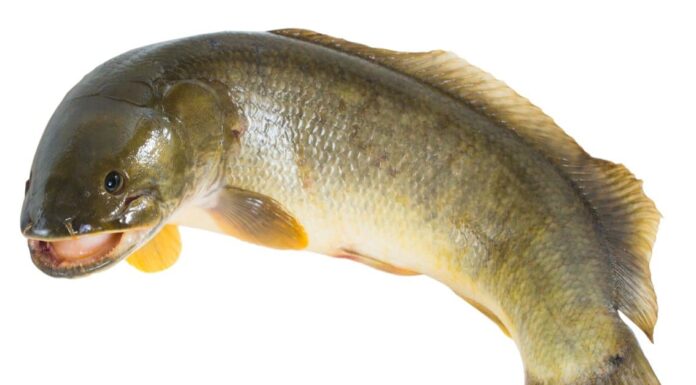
(86, 247)
(83, 254)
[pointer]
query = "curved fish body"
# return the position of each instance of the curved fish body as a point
(414, 163)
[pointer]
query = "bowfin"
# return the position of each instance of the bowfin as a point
(625, 216)
(258, 219)
(159, 253)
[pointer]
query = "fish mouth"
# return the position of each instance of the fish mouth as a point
(85, 254)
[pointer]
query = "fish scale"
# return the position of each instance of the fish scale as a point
(412, 163)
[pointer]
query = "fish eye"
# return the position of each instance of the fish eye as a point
(113, 183)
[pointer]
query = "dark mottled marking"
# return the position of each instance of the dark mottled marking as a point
(616, 360)
(214, 44)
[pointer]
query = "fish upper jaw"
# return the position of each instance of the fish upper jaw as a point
(37, 221)
(71, 248)
(51, 230)
(41, 229)
(140, 209)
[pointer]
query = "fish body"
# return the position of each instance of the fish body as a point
(413, 163)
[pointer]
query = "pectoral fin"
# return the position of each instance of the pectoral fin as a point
(159, 253)
(258, 219)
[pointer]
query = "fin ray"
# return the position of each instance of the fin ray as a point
(159, 253)
(258, 219)
(375, 263)
(488, 313)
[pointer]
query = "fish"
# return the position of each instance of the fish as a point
(414, 163)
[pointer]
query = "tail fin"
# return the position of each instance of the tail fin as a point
(626, 367)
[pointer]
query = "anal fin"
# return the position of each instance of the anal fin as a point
(488, 313)
(374, 263)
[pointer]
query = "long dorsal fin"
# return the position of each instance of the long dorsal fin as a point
(627, 218)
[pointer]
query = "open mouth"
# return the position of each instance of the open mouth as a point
(83, 254)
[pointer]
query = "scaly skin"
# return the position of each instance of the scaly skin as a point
(375, 162)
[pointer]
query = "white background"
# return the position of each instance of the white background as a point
(619, 79)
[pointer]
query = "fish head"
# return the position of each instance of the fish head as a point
(106, 175)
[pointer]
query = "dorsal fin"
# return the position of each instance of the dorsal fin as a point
(627, 218)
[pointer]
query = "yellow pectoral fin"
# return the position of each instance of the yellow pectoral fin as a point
(160, 253)
(258, 219)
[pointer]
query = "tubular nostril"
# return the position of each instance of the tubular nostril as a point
(27, 227)
(25, 222)
(69, 225)
(33, 226)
